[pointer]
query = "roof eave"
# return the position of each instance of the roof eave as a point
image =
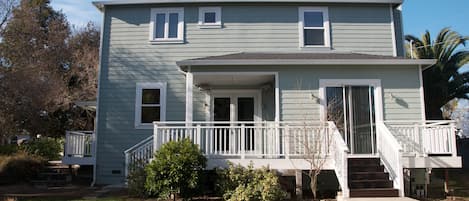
(101, 4)
(277, 62)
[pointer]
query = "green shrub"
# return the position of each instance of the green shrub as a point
(19, 167)
(248, 184)
(175, 169)
(48, 148)
(8, 149)
(136, 180)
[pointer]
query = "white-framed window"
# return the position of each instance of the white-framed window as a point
(150, 104)
(167, 25)
(210, 17)
(314, 27)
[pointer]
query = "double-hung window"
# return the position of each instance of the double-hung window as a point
(150, 104)
(314, 27)
(210, 17)
(167, 25)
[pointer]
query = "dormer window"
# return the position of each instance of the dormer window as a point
(210, 17)
(167, 25)
(314, 27)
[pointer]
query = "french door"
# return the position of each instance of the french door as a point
(230, 108)
(352, 108)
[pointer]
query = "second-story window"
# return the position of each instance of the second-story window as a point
(167, 25)
(314, 27)
(210, 17)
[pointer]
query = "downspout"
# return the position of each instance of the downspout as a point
(93, 183)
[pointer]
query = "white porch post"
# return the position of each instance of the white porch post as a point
(189, 99)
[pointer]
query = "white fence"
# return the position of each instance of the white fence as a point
(426, 137)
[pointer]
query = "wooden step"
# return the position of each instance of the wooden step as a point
(363, 162)
(366, 169)
(361, 184)
(374, 192)
(368, 175)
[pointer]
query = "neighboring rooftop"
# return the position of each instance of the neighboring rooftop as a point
(101, 4)
(259, 58)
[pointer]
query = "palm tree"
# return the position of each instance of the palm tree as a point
(442, 81)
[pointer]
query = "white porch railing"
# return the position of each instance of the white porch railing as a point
(79, 148)
(390, 153)
(341, 152)
(79, 143)
(246, 139)
(139, 154)
(425, 137)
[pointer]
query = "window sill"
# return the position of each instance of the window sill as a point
(144, 126)
(210, 26)
(173, 41)
(316, 48)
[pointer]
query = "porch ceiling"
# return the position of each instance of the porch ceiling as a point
(236, 80)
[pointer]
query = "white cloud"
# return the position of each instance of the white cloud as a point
(78, 12)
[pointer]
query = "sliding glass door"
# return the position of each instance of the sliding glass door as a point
(353, 111)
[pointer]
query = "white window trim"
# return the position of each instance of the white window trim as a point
(216, 10)
(376, 83)
(138, 103)
(166, 39)
(326, 27)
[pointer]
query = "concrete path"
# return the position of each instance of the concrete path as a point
(380, 199)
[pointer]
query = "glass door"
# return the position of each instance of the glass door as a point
(229, 108)
(245, 113)
(221, 112)
(353, 111)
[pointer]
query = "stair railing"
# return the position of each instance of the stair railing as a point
(138, 154)
(341, 152)
(390, 153)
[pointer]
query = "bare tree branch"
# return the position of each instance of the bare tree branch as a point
(6, 10)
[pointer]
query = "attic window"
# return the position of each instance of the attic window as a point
(210, 17)
(167, 25)
(314, 27)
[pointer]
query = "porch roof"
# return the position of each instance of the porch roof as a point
(260, 58)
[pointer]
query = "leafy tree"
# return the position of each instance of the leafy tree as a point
(442, 81)
(175, 170)
(45, 67)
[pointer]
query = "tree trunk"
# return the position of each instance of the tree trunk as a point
(314, 185)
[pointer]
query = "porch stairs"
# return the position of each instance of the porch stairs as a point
(368, 179)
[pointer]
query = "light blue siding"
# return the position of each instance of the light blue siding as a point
(128, 58)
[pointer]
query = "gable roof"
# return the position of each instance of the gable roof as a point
(101, 4)
(259, 58)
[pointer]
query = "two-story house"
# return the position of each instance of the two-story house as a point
(256, 80)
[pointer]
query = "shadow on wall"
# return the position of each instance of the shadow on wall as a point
(463, 151)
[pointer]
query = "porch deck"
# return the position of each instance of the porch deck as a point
(293, 145)
(79, 148)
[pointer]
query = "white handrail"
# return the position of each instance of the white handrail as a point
(139, 154)
(341, 152)
(390, 152)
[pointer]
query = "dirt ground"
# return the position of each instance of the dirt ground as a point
(459, 184)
